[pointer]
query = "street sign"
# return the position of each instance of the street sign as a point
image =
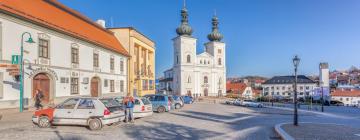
(15, 59)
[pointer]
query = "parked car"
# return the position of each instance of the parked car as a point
(336, 103)
(230, 102)
(142, 107)
(237, 102)
(179, 102)
(188, 99)
(250, 103)
(160, 102)
(91, 112)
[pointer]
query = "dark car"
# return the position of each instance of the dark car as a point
(336, 103)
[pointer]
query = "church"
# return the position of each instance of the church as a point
(193, 73)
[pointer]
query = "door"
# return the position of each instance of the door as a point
(206, 92)
(94, 87)
(63, 113)
(42, 82)
(84, 110)
(188, 93)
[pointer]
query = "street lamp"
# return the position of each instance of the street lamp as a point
(296, 61)
(322, 96)
(30, 40)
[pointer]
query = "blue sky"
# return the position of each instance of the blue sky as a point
(262, 36)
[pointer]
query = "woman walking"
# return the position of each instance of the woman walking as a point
(38, 97)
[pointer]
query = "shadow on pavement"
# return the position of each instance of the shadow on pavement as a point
(163, 130)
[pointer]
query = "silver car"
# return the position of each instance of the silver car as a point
(85, 111)
(250, 103)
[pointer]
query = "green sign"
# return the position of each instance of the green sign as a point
(15, 59)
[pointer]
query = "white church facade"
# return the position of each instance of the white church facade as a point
(193, 73)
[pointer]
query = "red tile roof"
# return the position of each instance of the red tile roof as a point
(236, 87)
(56, 16)
(346, 92)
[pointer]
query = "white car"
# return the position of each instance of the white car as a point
(142, 107)
(249, 103)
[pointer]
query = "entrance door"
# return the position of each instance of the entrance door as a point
(205, 92)
(95, 82)
(42, 82)
(188, 93)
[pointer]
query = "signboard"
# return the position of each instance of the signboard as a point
(15, 59)
(319, 90)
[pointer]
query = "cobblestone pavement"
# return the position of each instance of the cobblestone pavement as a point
(195, 121)
(313, 131)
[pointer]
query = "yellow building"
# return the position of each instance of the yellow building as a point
(141, 67)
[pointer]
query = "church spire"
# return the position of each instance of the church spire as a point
(215, 35)
(184, 28)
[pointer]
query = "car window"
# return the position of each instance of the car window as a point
(137, 102)
(151, 98)
(110, 102)
(69, 104)
(171, 99)
(159, 98)
(145, 101)
(86, 104)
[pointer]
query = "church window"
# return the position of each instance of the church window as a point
(219, 51)
(177, 59)
(205, 79)
(219, 61)
(208, 62)
(188, 59)
(200, 61)
(189, 79)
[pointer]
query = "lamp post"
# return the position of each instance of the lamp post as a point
(30, 40)
(322, 96)
(296, 61)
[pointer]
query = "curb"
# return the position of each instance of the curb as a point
(282, 133)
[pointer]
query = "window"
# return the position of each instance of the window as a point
(347, 99)
(112, 86)
(219, 61)
(301, 88)
(159, 98)
(74, 85)
(43, 48)
(189, 79)
(219, 51)
(283, 88)
(69, 104)
(75, 55)
(177, 59)
(137, 102)
(200, 61)
(205, 79)
(151, 84)
(105, 83)
(96, 60)
(144, 85)
(188, 59)
(86, 104)
(122, 86)
(112, 63)
(307, 87)
(121, 66)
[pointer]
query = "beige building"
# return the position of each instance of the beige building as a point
(142, 61)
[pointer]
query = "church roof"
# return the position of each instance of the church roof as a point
(56, 16)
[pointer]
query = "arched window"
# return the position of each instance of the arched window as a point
(188, 58)
(189, 79)
(200, 61)
(219, 61)
(220, 82)
(177, 59)
(205, 79)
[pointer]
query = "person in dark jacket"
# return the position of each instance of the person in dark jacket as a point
(129, 103)
(38, 97)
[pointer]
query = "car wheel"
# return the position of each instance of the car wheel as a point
(161, 109)
(177, 106)
(44, 122)
(95, 124)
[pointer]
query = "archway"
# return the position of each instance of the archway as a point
(95, 85)
(206, 92)
(42, 82)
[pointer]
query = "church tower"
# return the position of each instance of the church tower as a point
(184, 53)
(216, 48)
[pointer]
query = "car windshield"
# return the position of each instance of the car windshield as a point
(110, 102)
(145, 101)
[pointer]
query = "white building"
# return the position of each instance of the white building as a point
(283, 87)
(324, 75)
(165, 83)
(198, 74)
(71, 56)
(350, 97)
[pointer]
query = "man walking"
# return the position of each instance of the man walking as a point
(38, 96)
(129, 107)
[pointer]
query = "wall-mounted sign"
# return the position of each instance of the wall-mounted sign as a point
(45, 70)
(15, 59)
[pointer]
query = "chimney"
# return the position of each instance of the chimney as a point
(101, 22)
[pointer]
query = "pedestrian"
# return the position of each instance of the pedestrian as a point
(38, 97)
(129, 108)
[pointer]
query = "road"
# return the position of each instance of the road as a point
(195, 121)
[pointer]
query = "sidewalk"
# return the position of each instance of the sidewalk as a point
(317, 131)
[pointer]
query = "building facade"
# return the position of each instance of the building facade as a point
(350, 97)
(142, 61)
(283, 87)
(71, 56)
(166, 82)
(241, 90)
(198, 74)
